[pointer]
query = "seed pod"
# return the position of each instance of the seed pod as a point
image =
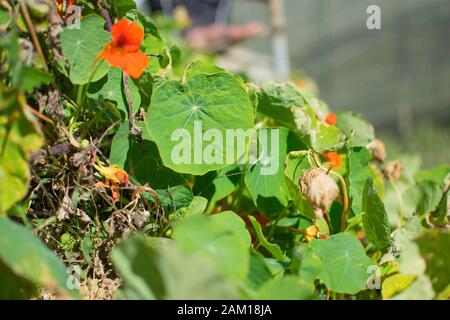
(378, 150)
(393, 170)
(320, 190)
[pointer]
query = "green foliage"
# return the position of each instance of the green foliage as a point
(81, 48)
(276, 100)
(111, 87)
(169, 273)
(33, 262)
(287, 288)
(359, 172)
(359, 131)
(121, 7)
(159, 199)
(19, 140)
(222, 237)
(375, 219)
(269, 191)
(343, 263)
(273, 248)
(177, 105)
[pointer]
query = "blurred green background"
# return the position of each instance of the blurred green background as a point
(398, 77)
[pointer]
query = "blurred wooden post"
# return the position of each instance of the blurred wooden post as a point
(280, 47)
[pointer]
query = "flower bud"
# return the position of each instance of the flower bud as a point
(320, 190)
(310, 233)
(333, 159)
(378, 150)
(331, 119)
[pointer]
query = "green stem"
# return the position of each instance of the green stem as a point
(274, 225)
(80, 94)
(85, 88)
(236, 201)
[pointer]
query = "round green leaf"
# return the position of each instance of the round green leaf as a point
(222, 238)
(180, 113)
(287, 288)
(82, 46)
(344, 263)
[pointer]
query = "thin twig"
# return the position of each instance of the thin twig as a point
(44, 189)
(135, 131)
(105, 15)
(30, 27)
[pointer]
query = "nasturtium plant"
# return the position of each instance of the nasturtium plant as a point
(227, 239)
(375, 219)
(344, 264)
(111, 88)
(20, 139)
(133, 167)
(33, 262)
(359, 131)
(265, 180)
(81, 48)
(276, 100)
(183, 115)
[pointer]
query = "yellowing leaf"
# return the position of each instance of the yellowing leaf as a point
(395, 284)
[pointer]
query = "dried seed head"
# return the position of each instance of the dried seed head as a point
(393, 170)
(320, 190)
(378, 150)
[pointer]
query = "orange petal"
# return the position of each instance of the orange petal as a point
(127, 36)
(113, 173)
(115, 191)
(133, 63)
(113, 55)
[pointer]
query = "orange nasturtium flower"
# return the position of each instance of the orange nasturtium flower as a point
(114, 177)
(331, 119)
(123, 51)
(333, 159)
